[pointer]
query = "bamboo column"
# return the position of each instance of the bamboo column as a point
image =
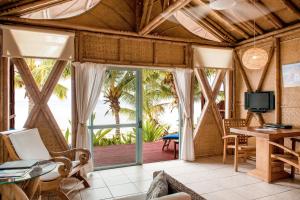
(4, 91)
(278, 91)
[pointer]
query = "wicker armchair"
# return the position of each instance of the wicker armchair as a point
(239, 143)
(27, 144)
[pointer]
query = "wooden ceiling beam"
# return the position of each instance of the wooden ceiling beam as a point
(224, 20)
(158, 20)
(249, 26)
(59, 24)
(30, 7)
(218, 32)
(268, 36)
(292, 7)
(268, 14)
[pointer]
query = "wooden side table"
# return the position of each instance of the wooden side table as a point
(26, 187)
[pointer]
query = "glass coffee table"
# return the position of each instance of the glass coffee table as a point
(27, 186)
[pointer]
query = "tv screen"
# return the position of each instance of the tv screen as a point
(259, 101)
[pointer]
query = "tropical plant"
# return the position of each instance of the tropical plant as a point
(119, 85)
(152, 131)
(40, 70)
(99, 136)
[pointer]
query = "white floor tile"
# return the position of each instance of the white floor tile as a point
(205, 187)
(116, 180)
(223, 195)
(96, 194)
(124, 190)
(143, 186)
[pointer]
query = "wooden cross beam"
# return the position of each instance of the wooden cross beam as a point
(292, 7)
(210, 94)
(41, 98)
(272, 18)
(158, 20)
(260, 83)
(210, 26)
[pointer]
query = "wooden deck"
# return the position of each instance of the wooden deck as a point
(123, 154)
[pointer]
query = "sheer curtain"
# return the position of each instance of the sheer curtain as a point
(183, 82)
(88, 83)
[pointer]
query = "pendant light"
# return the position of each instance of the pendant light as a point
(221, 4)
(255, 57)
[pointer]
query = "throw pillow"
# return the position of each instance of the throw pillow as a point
(158, 187)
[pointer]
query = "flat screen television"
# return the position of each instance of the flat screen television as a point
(260, 101)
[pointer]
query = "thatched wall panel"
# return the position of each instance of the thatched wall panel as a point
(95, 47)
(137, 50)
(167, 53)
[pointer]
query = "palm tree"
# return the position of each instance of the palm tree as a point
(40, 70)
(119, 86)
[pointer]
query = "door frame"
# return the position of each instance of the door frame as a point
(137, 124)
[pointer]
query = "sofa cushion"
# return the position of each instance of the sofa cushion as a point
(158, 187)
(29, 145)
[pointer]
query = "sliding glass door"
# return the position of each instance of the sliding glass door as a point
(115, 124)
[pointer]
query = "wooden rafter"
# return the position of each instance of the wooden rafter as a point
(246, 24)
(292, 7)
(268, 14)
(210, 94)
(63, 25)
(158, 20)
(214, 29)
(224, 20)
(30, 7)
(40, 98)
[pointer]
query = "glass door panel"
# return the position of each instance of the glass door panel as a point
(114, 124)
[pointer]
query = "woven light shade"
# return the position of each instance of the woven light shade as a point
(255, 58)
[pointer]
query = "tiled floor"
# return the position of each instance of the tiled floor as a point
(207, 176)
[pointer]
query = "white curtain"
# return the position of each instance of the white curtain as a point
(183, 82)
(89, 78)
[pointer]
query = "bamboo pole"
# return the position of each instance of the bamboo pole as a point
(163, 16)
(278, 92)
(54, 24)
(273, 19)
(290, 5)
(4, 97)
(267, 37)
(31, 7)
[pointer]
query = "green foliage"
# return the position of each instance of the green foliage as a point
(41, 72)
(152, 131)
(67, 135)
(99, 136)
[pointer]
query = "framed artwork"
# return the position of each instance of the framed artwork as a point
(291, 75)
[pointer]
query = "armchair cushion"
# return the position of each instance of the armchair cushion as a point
(54, 174)
(29, 145)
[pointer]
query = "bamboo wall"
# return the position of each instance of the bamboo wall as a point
(121, 50)
(288, 98)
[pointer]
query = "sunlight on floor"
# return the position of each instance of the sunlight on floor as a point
(207, 176)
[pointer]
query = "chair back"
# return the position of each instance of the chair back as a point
(27, 144)
(234, 123)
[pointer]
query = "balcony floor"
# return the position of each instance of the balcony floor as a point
(123, 154)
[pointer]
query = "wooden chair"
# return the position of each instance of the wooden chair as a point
(289, 156)
(239, 143)
(27, 144)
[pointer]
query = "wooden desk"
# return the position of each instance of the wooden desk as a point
(266, 169)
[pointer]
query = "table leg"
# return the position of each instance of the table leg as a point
(266, 169)
(12, 192)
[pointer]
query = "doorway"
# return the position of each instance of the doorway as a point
(136, 109)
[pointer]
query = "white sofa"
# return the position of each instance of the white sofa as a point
(175, 196)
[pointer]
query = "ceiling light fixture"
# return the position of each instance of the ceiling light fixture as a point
(255, 57)
(221, 4)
